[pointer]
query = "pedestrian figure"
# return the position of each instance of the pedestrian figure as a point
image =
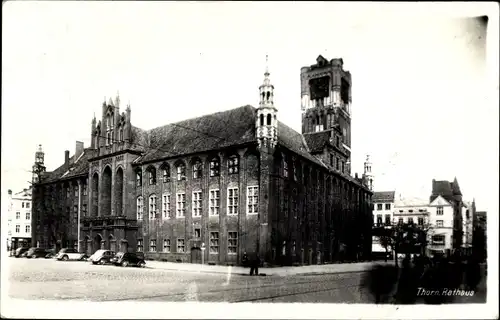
(244, 259)
(254, 261)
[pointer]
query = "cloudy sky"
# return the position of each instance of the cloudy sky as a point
(423, 101)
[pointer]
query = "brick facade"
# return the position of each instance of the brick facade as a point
(293, 207)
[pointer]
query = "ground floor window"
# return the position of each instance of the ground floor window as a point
(166, 245)
(140, 245)
(181, 248)
(214, 242)
(232, 243)
(152, 246)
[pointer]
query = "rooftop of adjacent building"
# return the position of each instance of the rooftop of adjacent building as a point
(410, 202)
(448, 190)
(25, 193)
(383, 196)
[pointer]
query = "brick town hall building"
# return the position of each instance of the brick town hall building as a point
(232, 181)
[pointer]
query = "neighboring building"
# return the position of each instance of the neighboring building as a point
(412, 210)
(446, 205)
(59, 197)
(233, 181)
(468, 213)
(19, 219)
(383, 207)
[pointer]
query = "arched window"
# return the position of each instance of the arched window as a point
(152, 175)
(140, 208)
(215, 167)
(138, 177)
(120, 135)
(233, 164)
(152, 207)
(181, 172)
(97, 139)
(268, 95)
(269, 118)
(197, 169)
(165, 171)
(261, 119)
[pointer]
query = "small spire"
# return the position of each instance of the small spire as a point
(267, 65)
(117, 100)
(104, 102)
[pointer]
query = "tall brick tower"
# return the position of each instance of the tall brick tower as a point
(326, 102)
(266, 123)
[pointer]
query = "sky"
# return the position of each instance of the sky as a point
(424, 104)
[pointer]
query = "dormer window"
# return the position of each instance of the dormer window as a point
(152, 175)
(285, 167)
(165, 171)
(181, 172)
(214, 167)
(197, 170)
(233, 164)
(138, 178)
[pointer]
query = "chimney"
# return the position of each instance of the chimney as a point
(66, 159)
(9, 192)
(78, 149)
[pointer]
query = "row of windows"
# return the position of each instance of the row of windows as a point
(18, 215)
(75, 191)
(197, 168)
(387, 206)
(214, 244)
(196, 200)
(27, 228)
(387, 221)
(25, 205)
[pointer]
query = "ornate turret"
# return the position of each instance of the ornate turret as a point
(38, 168)
(267, 121)
(368, 175)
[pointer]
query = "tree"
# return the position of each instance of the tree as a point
(403, 238)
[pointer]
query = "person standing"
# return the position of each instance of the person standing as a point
(254, 264)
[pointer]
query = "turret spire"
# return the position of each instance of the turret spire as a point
(267, 122)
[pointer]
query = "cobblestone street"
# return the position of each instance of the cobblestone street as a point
(51, 279)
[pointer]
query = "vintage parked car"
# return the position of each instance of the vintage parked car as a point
(70, 254)
(36, 253)
(125, 259)
(20, 252)
(102, 256)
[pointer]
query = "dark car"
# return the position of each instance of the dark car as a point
(21, 251)
(125, 259)
(36, 253)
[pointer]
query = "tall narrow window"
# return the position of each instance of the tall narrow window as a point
(140, 206)
(197, 170)
(181, 172)
(269, 118)
(165, 172)
(439, 211)
(232, 201)
(120, 135)
(196, 203)
(152, 245)
(181, 248)
(261, 119)
(252, 200)
(214, 167)
(232, 242)
(84, 188)
(214, 202)
(140, 245)
(214, 242)
(138, 178)
(233, 164)
(166, 206)
(285, 203)
(152, 207)
(166, 245)
(181, 205)
(152, 175)
(285, 167)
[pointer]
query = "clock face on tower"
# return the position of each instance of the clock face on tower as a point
(319, 87)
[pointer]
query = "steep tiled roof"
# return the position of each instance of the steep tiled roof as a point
(77, 168)
(317, 140)
(383, 196)
(217, 131)
(24, 193)
(442, 188)
(209, 132)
